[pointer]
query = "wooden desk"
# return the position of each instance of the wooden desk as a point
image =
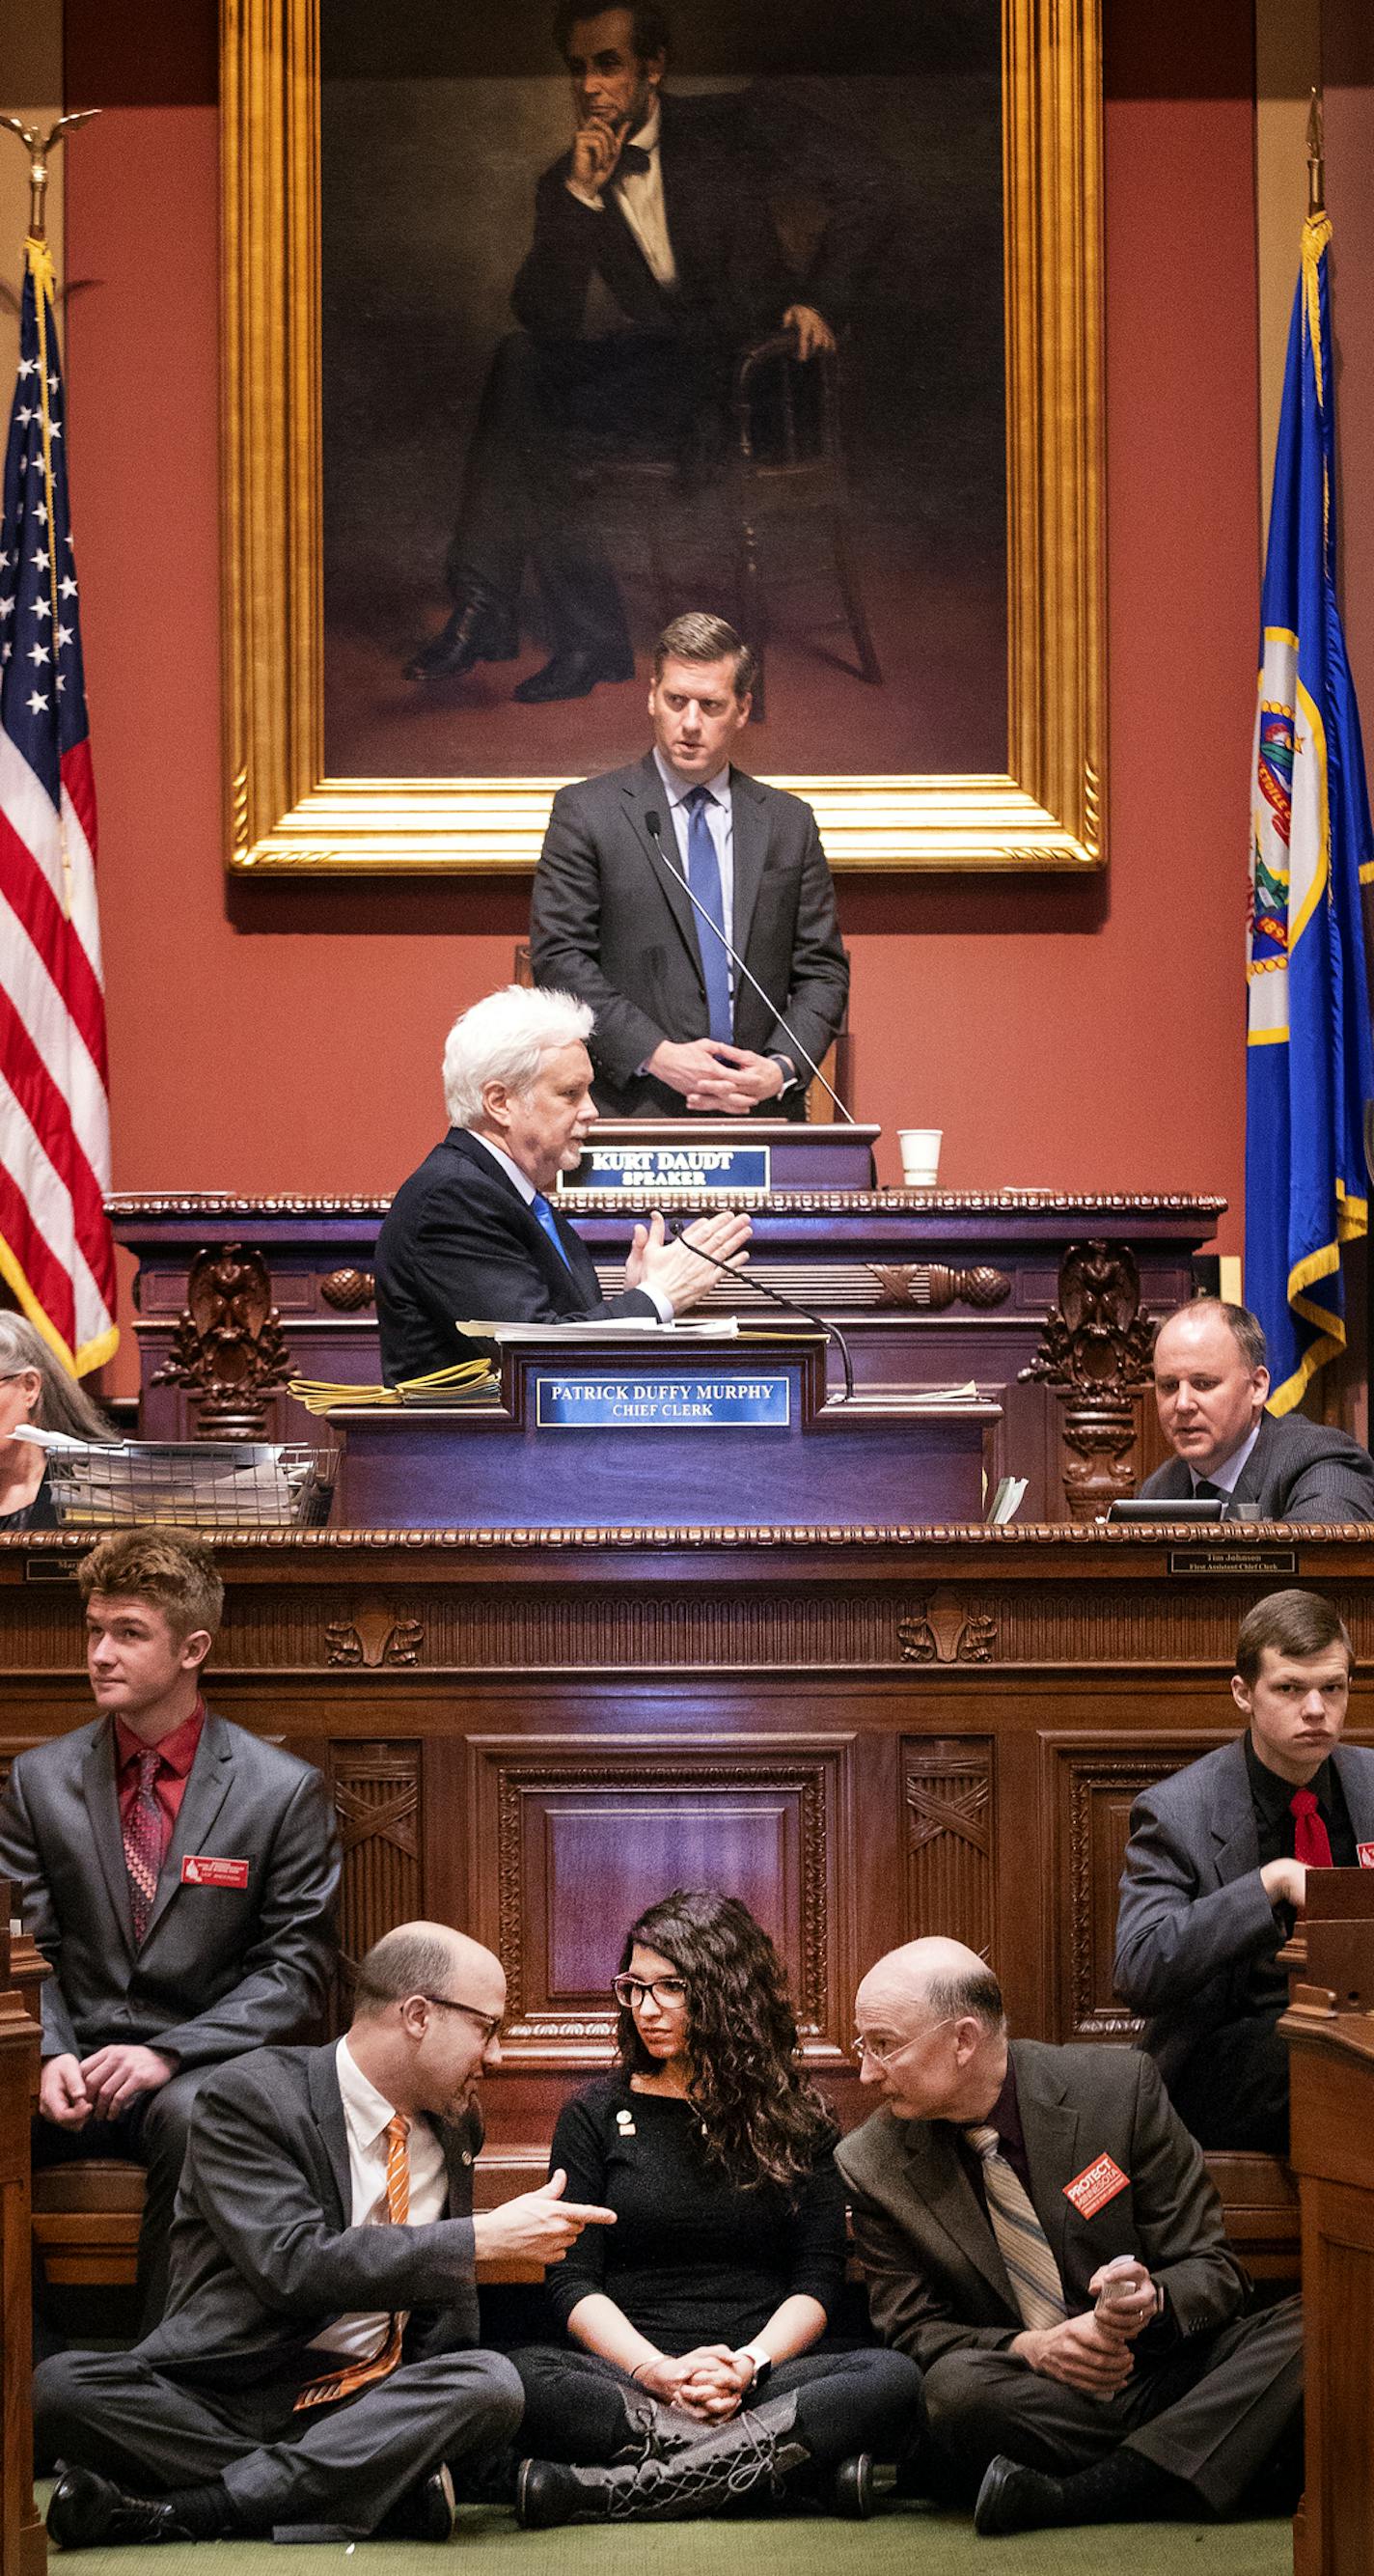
(931, 1288)
(1329, 2028)
(665, 1433)
(23, 2541)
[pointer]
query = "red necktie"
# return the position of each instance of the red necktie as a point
(143, 1843)
(1310, 1842)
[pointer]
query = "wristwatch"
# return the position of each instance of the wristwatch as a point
(762, 2361)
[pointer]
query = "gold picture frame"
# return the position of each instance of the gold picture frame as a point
(285, 816)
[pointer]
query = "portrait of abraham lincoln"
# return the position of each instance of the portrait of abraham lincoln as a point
(688, 304)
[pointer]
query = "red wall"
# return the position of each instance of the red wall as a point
(1079, 1035)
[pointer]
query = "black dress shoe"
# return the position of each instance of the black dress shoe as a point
(90, 2512)
(851, 2487)
(479, 631)
(429, 2512)
(1015, 2499)
(571, 675)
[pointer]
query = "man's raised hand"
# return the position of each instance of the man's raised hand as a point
(673, 1270)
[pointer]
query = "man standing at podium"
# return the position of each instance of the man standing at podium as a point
(473, 1234)
(654, 882)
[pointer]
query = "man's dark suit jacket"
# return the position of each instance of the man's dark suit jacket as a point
(1193, 1916)
(220, 1969)
(718, 160)
(936, 2280)
(612, 924)
(1297, 1471)
(264, 2255)
(458, 1241)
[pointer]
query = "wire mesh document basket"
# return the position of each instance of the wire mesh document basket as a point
(191, 1484)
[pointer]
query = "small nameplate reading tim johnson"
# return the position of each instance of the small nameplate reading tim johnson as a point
(639, 1170)
(603, 1402)
(1233, 1560)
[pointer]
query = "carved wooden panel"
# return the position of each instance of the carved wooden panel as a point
(377, 1801)
(949, 1788)
(1094, 1781)
(586, 1836)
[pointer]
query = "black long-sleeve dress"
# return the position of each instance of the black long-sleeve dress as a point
(696, 2258)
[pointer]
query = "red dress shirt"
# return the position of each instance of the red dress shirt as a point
(177, 1752)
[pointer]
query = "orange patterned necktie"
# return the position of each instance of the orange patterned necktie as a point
(359, 2374)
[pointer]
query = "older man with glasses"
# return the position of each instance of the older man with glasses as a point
(316, 2372)
(1039, 2233)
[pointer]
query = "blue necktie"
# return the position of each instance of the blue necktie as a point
(541, 1210)
(703, 876)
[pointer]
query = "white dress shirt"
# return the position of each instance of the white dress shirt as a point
(1227, 1476)
(639, 195)
(361, 2335)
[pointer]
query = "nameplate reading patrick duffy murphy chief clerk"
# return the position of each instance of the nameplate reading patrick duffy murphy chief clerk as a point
(605, 1402)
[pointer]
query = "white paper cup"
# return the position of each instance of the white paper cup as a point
(920, 1155)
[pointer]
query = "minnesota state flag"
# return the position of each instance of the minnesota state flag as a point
(1310, 1060)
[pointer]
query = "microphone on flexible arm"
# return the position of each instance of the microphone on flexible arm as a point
(654, 825)
(788, 1304)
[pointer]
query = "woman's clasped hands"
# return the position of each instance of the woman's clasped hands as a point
(709, 2382)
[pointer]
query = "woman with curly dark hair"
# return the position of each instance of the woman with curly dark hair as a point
(703, 2374)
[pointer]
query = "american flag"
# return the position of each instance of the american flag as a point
(56, 1254)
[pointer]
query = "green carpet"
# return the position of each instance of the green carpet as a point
(900, 2541)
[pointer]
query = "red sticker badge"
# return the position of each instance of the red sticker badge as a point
(1095, 2186)
(1364, 1854)
(200, 1870)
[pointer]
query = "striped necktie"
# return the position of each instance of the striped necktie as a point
(359, 2374)
(1021, 2240)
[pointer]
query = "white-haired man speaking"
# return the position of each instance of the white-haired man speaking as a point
(474, 1233)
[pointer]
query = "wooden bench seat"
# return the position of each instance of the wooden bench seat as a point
(86, 2219)
(1260, 2199)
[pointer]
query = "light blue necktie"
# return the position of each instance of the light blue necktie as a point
(703, 876)
(541, 1209)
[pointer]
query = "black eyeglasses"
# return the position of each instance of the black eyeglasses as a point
(491, 2022)
(666, 1991)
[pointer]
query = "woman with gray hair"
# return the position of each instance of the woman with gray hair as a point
(473, 1234)
(35, 1388)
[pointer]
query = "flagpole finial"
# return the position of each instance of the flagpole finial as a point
(38, 146)
(1316, 159)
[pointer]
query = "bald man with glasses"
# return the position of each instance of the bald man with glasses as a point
(317, 2374)
(1039, 2233)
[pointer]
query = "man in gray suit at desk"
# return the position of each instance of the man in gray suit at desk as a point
(1210, 1386)
(177, 1873)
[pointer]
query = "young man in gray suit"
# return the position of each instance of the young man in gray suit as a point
(315, 2373)
(1210, 1387)
(1039, 2233)
(178, 1874)
(678, 1030)
(1216, 1869)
